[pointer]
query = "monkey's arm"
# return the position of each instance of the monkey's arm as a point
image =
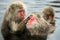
(5, 29)
(21, 26)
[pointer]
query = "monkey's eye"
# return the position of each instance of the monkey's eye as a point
(19, 11)
(51, 15)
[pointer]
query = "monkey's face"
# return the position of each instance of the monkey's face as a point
(17, 12)
(49, 16)
(21, 14)
(48, 12)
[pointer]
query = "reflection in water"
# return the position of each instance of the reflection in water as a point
(36, 6)
(55, 2)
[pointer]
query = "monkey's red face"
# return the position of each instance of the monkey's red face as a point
(21, 14)
(31, 20)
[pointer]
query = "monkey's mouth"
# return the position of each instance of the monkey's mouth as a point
(21, 13)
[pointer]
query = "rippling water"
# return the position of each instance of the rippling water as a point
(36, 6)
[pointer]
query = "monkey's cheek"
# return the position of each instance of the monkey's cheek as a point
(21, 14)
(22, 17)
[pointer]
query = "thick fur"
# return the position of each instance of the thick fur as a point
(14, 29)
(11, 22)
(48, 10)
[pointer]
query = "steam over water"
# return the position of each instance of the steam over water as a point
(35, 6)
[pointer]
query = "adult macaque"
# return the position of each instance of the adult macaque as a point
(13, 18)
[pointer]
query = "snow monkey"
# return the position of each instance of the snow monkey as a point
(13, 18)
(34, 27)
(48, 14)
(38, 28)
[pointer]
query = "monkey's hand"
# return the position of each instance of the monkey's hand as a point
(21, 26)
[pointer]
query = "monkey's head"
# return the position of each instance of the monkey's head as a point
(16, 10)
(48, 14)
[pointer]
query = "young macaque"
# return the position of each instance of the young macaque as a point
(48, 14)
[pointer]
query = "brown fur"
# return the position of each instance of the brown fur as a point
(37, 31)
(40, 27)
(12, 22)
(48, 10)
